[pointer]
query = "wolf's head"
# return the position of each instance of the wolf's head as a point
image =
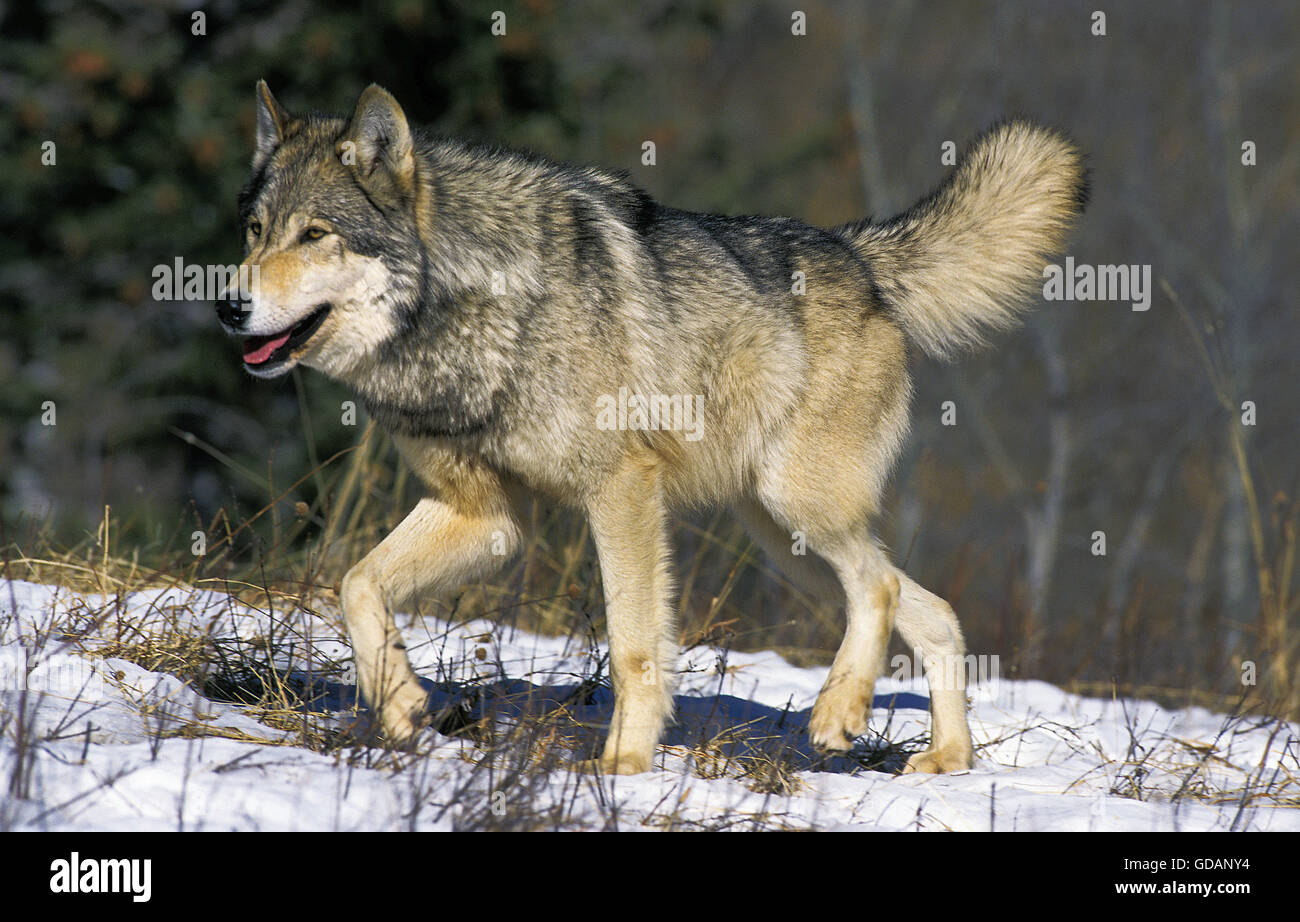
(329, 220)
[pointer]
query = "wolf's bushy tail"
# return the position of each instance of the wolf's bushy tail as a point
(961, 261)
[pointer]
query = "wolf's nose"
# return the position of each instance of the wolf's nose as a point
(233, 311)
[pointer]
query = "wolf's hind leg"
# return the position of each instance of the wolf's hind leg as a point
(852, 572)
(437, 547)
(629, 524)
(927, 624)
(871, 591)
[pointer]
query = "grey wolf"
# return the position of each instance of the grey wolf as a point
(487, 305)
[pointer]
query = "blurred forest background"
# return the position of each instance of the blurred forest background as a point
(1092, 418)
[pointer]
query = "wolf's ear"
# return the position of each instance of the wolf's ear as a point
(272, 119)
(377, 145)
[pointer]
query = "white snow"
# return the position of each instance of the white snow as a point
(104, 744)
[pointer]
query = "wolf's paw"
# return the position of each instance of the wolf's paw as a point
(939, 761)
(403, 716)
(838, 718)
(622, 764)
(401, 734)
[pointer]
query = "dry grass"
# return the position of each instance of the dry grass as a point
(517, 746)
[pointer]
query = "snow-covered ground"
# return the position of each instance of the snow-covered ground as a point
(105, 744)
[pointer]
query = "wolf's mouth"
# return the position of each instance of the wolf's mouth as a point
(268, 350)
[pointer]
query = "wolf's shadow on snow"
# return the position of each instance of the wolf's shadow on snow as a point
(724, 728)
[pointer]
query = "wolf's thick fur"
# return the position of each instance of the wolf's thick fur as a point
(485, 304)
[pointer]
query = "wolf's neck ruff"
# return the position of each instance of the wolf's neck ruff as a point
(437, 377)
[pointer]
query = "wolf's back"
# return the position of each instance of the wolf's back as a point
(961, 261)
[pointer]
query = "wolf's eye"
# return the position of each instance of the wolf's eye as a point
(255, 228)
(312, 233)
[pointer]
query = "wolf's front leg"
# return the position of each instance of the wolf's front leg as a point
(628, 523)
(443, 543)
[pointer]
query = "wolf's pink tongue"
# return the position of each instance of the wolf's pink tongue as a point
(255, 354)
